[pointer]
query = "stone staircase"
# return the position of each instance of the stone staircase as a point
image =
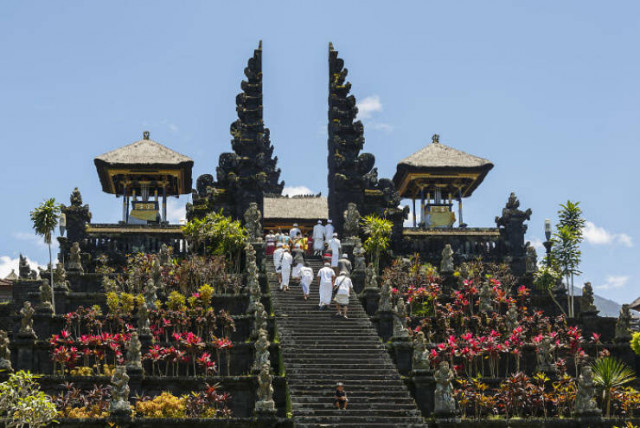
(319, 350)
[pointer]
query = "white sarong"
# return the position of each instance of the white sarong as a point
(286, 275)
(325, 294)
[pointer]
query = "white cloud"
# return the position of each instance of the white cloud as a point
(537, 243)
(7, 264)
(297, 190)
(369, 105)
(600, 236)
(176, 211)
(613, 281)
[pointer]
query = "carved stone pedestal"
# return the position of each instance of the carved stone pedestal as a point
(424, 387)
(385, 325)
(24, 344)
(370, 297)
(357, 277)
(403, 353)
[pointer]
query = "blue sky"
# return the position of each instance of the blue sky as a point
(548, 91)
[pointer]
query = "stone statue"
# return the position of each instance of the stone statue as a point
(143, 320)
(400, 319)
(253, 283)
(26, 322)
(120, 393)
(370, 277)
(261, 317)
(351, 221)
(45, 296)
(150, 295)
(75, 259)
(265, 403)
(586, 302)
(134, 356)
(262, 351)
(60, 277)
(544, 356)
(164, 255)
(252, 218)
(359, 263)
(585, 395)
(24, 270)
(511, 318)
(485, 295)
(532, 259)
(446, 265)
(5, 351)
(445, 403)
(156, 272)
(623, 325)
(384, 304)
(420, 358)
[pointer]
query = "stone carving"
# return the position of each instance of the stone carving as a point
(253, 283)
(446, 265)
(359, 262)
(587, 306)
(164, 255)
(384, 304)
(512, 230)
(134, 355)
(252, 218)
(77, 216)
(250, 172)
(445, 403)
(370, 277)
(45, 296)
(261, 317)
(24, 270)
(623, 325)
(120, 393)
(511, 318)
(420, 358)
(150, 295)
(143, 320)
(532, 259)
(60, 277)
(585, 395)
(75, 259)
(265, 402)
(156, 272)
(26, 321)
(544, 356)
(5, 351)
(262, 351)
(400, 319)
(485, 295)
(351, 221)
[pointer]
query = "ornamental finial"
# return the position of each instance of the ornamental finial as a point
(435, 138)
(145, 135)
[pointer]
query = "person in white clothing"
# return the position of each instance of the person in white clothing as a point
(343, 287)
(306, 277)
(294, 231)
(326, 278)
(277, 260)
(328, 230)
(335, 246)
(287, 261)
(318, 238)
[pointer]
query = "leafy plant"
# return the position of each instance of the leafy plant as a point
(609, 374)
(23, 402)
(378, 231)
(635, 342)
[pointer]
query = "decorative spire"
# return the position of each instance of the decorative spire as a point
(145, 135)
(435, 139)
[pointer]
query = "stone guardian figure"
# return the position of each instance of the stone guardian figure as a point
(150, 295)
(262, 351)
(384, 304)
(445, 403)
(5, 352)
(446, 265)
(120, 406)
(265, 403)
(585, 396)
(45, 297)
(252, 218)
(420, 358)
(134, 355)
(623, 325)
(587, 306)
(400, 320)
(75, 259)
(351, 221)
(26, 321)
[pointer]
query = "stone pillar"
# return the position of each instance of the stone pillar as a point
(403, 351)
(370, 297)
(24, 360)
(424, 387)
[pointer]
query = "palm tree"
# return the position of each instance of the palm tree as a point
(45, 219)
(610, 373)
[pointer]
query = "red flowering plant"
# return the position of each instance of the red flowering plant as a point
(93, 350)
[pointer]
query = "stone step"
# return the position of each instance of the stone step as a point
(344, 417)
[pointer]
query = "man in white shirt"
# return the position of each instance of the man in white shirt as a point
(306, 277)
(318, 238)
(344, 285)
(328, 230)
(293, 232)
(335, 246)
(277, 260)
(287, 261)
(326, 278)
